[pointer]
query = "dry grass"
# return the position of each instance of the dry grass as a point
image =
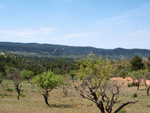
(33, 101)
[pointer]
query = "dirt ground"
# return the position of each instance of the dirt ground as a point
(125, 81)
(33, 101)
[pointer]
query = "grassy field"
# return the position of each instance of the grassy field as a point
(33, 102)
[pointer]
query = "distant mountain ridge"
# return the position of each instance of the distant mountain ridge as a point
(51, 50)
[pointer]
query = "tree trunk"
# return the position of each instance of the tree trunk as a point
(18, 91)
(138, 84)
(145, 82)
(65, 90)
(138, 87)
(30, 83)
(123, 105)
(46, 97)
(98, 103)
(147, 91)
(134, 81)
(101, 107)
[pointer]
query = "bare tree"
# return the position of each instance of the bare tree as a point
(106, 93)
(147, 77)
(15, 76)
(94, 84)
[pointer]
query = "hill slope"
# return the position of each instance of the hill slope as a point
(50, 50)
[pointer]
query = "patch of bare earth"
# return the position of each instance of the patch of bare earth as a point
(125, 81)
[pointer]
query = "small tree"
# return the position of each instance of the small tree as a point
(26, 74)
(136, 67)
(136, 75)
(147, 77)
(15, 76)
(1, 80)
(123, 74)
(94, 84)
(47, 81)
(137, 64)
(72, 73)
(65, 85)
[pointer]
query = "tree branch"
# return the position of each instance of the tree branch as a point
(123, 105)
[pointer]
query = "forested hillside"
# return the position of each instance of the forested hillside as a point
(61, 51)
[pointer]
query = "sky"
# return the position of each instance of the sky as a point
(104, 24)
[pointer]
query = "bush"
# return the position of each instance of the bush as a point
(130, 84)
(133, 84)
(123, 74)
(22, 95)
(9, 89)
(0, 81)
(134, 95)
(136, 84)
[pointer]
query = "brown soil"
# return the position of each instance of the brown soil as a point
(127, 80)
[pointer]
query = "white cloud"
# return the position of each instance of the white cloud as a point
(125, 17)
(28, 32)
(44, 33)
(84, 34)
(137, 34)
(78, 35)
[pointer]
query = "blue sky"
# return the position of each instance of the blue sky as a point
(97, 23)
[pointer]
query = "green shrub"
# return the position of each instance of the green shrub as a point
(0, 81)
(134, 95)
(136, 84)
(133, 84)
(123, 74)
(130, 84)
(22, 95)
(9, 89)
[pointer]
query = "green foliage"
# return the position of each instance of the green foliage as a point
(0, 75)
(136, 84)
(26, 74)
(130, 84)
(0, 78)
(149, 58)
(148, 66)
(9, 89)
(72, 73)
(22, 95)
(135, 95)
(95, 68)
(147, 75)
(95, 72)
(137, 64)
(123, 74)
(69, 52)
(47, 80)
(137, 74)
(133, 84)
(36, 64)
